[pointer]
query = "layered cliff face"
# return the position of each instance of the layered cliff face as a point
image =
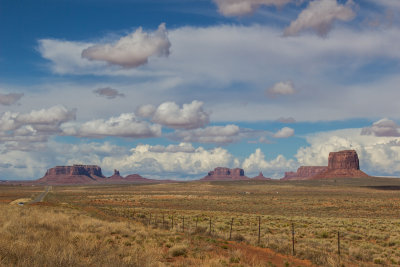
(88, 170)
(304, 172)
(225, 174)
(347, 159)
(76, 174)
(342, 164)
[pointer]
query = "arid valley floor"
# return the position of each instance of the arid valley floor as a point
(169, 224)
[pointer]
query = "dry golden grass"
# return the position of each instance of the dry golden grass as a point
(42, 236)
(45, 235)
(367, 218)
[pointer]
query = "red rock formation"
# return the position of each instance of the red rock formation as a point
(225, 174)
(115, 178)
(260, 177)
(88, 170)
(347, 159)
(76, 174)
(89, 174)
(342, 164)
(304, 173)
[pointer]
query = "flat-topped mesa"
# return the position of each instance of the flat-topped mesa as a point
(220, 171)
(92, 171)
(342, 164)
(225, 174)
(237, 172)
(75, 174)
(346, 159)
(304, 172)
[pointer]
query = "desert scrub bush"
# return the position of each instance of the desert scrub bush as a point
(235, 256)
(238, 238)
(361, 254)
(200, 230)
(178, 250)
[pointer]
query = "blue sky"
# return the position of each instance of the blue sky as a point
(173, 89)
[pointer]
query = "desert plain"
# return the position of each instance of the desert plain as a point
(252, 224)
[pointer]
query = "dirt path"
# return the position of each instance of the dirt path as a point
(42, 195)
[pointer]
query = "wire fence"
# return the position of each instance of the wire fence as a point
(256, 230)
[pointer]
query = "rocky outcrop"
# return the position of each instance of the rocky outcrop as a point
(76, 174)
(342, 164)
(346, 159)
(260, 177)
(90, 174)
(116, 173)
(304, 172)
(116, 178)
(225, 174)
(88, 170)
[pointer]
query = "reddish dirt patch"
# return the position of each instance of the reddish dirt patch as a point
(267, 255)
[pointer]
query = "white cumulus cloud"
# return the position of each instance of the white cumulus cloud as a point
(146, 111)
(256, 162)
(285, 132)
(22, 131)
(383, 127)
(281, 88)
(9, 99)
(320, 15)
(211, 134)
(245, 7)
(178, 160)
(125, 125)
(133, 50)
(190, 116)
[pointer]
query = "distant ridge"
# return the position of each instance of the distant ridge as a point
(225, 174)
(260, 177)
(89, 174)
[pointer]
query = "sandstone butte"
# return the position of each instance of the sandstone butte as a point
(226, 174)
(87, 174)
(342, 164)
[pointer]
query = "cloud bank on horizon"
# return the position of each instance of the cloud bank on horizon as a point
(178, 96)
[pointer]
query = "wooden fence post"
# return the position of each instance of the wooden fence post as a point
(172, 222)
(259, 229)
(293, 239)
(230, 232)
(183, 224)
(338, 243)
(197, 219)
(210, 225)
